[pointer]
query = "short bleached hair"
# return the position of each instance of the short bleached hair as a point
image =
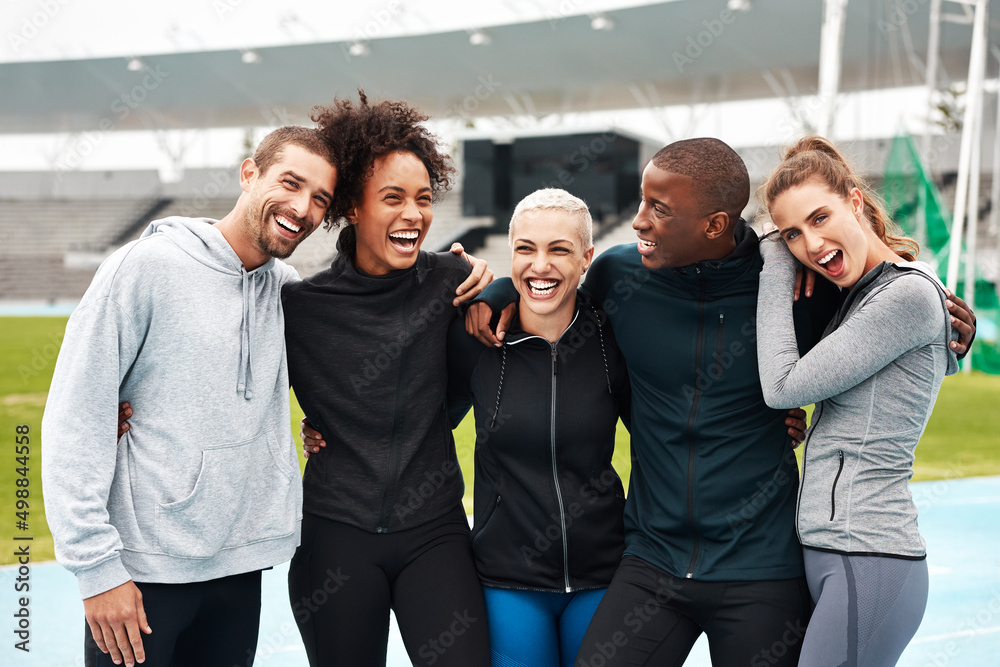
(556, 199)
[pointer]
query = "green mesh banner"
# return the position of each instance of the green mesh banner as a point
(915, 204)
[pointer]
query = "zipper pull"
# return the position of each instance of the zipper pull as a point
(555, 366)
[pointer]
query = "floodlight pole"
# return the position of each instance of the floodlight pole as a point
(830, 47)
(930, 76)
(973, 108)
(995, 186)
(972, 225)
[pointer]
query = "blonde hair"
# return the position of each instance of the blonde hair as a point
(556, 199)
(815, 157)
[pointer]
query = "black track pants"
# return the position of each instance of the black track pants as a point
(206, 624)
(649, 617)
(343, 581)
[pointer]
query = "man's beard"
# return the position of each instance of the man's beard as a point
(267, 243)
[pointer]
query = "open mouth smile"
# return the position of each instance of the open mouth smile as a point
(542, 287)
(404, 241)
(646, 247)
(832, 262)
(287, 224)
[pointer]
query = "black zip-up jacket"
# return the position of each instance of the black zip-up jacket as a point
(367, 359)
(548, 504)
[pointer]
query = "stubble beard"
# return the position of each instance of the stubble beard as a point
(257, 226)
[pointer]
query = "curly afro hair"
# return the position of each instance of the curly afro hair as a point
(359, 134)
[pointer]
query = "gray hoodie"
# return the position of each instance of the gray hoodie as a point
(874, 377)
(206, 483)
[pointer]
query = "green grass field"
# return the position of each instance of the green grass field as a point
(960, 441)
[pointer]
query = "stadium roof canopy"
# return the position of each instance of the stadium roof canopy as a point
(679, 52)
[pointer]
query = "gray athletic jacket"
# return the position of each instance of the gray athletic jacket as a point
(874, 377)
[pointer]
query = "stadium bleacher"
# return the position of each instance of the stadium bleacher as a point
(56, 229)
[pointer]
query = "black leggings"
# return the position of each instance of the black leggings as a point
(343, 581)
(649, 617)
(205, 624)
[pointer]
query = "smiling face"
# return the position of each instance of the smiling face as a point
(823, 231)
(394, 214)
(547, 259)
(286, 203)
(670, 224)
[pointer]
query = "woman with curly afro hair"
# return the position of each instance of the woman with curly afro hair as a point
(383, 522)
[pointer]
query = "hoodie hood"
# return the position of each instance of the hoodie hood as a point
(200, 238)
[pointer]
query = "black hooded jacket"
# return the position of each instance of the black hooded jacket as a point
(548, 504)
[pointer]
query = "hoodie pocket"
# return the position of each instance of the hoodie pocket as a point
(243, 494)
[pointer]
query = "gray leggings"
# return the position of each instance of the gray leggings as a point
(867, 609)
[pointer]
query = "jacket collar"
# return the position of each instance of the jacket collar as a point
(715, 275)
(516, 334)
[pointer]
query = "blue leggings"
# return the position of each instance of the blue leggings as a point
(535, 628)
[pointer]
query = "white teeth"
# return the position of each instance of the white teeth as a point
(287, 224)
(542, 287)
(404, 235)
(646, 244)
(826, 258)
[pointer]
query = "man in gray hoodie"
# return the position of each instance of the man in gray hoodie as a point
(169, 527)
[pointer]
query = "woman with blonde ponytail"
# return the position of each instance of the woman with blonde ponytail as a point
(874, 378)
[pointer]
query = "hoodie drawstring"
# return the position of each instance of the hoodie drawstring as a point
(244, 383)
(503, 367)
(604, 355)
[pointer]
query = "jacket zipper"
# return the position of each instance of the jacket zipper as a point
(552, 445)
(718, 346)
(833, 491)
(392, 473)
(555, 471)
(693, 445)
(496, 507)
